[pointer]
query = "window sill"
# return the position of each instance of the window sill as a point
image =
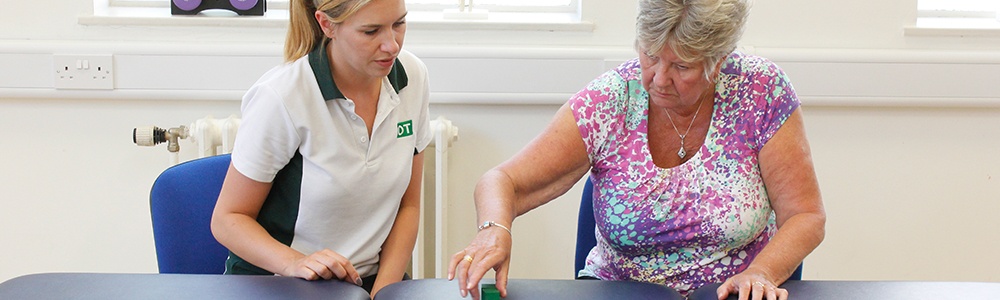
(955, 27)
(278, 18)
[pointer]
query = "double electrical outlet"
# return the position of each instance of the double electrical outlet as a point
(86, 72)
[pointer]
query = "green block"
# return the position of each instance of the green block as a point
(489, 292)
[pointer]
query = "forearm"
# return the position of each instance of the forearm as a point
(495, 198)
(247, 239)
(795, 239)
(398, 247)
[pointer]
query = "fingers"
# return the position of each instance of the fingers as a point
(725, 289)
(489, 250)
(761, 290)
(326, 264)
(781, 294)
(501, 277)
(319, 268)
(462, 271)
(476, 272)
(757, 290)
(455, 259)
(459, 268)
(744, 290)
(772, 293)
(469, 270)
(475, 293)
(751, 286)
(329, 265)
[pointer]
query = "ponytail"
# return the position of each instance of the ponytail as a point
(304, 32)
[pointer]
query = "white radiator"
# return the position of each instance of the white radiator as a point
(212, 136)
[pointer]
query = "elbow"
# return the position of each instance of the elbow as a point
(216, 226)
(809, 227)
(819, 226)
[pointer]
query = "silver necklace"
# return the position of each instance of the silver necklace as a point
(681, 153)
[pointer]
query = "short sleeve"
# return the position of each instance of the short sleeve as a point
(779, 99)
(423, 123)
(599, 111)
(757, 97)
(267, 138)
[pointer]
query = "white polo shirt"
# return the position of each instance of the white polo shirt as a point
(334, 186)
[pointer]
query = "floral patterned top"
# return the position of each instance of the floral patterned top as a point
(697, 223)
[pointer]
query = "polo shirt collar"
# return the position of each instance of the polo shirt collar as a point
(320, 64)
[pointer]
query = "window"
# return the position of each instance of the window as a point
(417, 5)
(498, 5)
(956, 18)
(958, 8)
(279, 4)
(559, 15)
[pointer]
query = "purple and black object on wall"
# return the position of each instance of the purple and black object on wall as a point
(240, 7)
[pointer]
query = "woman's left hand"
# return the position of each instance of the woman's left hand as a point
(752, 285)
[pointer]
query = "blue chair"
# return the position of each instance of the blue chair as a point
(585, 239)
(181, 203)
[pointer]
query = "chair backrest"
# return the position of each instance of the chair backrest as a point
(181, 203)
(586, 239)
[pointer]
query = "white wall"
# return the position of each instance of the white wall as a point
(903, 130)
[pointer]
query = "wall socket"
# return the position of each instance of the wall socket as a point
(85, 72)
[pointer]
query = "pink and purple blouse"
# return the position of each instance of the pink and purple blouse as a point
(697, 223)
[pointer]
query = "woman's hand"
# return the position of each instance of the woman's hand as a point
(489, 250)
(751, 284)
(324, 264)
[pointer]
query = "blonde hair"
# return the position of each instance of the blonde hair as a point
(304, 33)
(696, 30)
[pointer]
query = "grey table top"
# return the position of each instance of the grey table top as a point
(520, 289)
(881, 290)
(173, 286)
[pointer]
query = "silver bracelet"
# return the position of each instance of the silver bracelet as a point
(491, 223)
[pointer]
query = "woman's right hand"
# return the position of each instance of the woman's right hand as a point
(324, 264)
(489, 250)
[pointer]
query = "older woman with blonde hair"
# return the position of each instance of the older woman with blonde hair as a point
(701, 168)
(326, 170)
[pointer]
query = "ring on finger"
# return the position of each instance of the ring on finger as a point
(467, 258)
(758, 283)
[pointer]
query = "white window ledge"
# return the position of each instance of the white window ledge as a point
(955, 27)
(278, 18)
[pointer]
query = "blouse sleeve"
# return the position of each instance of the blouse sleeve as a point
(598, 109)
(775, 99)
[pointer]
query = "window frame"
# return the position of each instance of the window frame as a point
(572, 7)
(955, 22)
(156, 13)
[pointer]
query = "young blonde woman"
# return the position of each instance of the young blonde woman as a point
(326, 170)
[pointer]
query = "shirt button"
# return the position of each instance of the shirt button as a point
(353, 117)
(364, 139)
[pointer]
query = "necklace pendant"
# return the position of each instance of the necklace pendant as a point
(681, 153)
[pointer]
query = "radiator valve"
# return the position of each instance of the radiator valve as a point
(152, 135)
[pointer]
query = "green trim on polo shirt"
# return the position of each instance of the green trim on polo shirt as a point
(277, 215)
(281, 208)
(320, 64)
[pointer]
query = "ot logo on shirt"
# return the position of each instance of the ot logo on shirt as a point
(404, 129)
